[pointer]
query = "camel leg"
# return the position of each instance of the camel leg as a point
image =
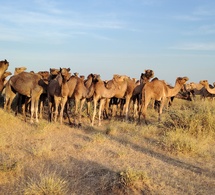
(50, 107)
(25, 105)
(161, 108)
(102, 101)
(66, 110)
(36, 104)
(56, 108)
(77, 102)
(127, 104)
(32, 109)
(8, 101)
(80, 111)
(94, 110)
(88, 110)
(62, 109)
(143, 109)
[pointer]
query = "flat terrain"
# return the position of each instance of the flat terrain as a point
(116, 158)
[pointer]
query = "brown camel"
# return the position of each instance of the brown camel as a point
(29, 85)
(102, 91)
(123, 90)
(84, 90)
(4, 76)
(137, 92)
(58, 91)
(3, 67)
(158, 90)
(206, 85)
(199, 89)
(19, 70)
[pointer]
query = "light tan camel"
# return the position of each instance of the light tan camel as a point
(158, 90)
(124, 90)
(199, 89)
(19, 70)
(58, 91)
(206, 85)
(29, 85)
(102, 91)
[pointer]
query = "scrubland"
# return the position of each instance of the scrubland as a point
(174, 156)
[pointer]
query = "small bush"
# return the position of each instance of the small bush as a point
(131, 181)
(48, 184)
(179, 141)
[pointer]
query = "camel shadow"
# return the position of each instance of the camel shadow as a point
(164, 158)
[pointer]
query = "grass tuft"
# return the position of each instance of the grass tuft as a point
(47, 184)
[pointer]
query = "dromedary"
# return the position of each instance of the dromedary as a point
(158, 90)
(137, 92)
(84, 90)
(101, 92)
(3, 67)
(206, 85)
(199, 89)
(58, 91)
(29, 85)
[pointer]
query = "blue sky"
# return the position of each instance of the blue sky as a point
(172, 37)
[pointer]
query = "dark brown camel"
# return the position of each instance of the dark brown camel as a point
(29, 85)
(58, 91)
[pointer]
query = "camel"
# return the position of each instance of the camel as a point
(124, 90)
(199, 89)
(84, 90)
(29, 85)
(158, 90)
(4, 76)
(3, 67)
(136, 95)
(102, 91)
(19, 70)
(58, 91)
(206, 85)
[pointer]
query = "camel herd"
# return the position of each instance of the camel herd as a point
(57, 87)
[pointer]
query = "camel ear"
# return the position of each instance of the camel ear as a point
(68, 69)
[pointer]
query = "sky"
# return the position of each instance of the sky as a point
(172, 37)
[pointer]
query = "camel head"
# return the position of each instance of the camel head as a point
(4, 63)
(76, 74)
(204, 82)
(65, 73)
(120, 78)
(82, 77)
(182, 80)
(149, 74)
(45, 75)
(19, 70)
(3, 66)
(54, 71)
(6, 74)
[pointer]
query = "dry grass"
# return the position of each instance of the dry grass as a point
(175, 156)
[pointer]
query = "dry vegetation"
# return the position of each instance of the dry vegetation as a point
(175, 156)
